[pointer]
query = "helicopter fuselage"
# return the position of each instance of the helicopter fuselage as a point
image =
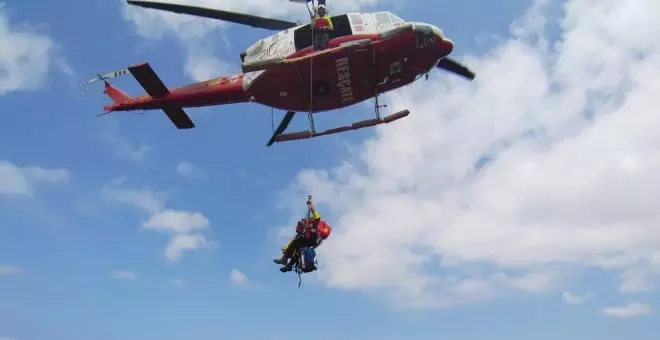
(387, 53)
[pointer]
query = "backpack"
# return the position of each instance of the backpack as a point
(307, 262)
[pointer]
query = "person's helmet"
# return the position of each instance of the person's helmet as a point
(301, 226)
(324, 229)
(321, 7)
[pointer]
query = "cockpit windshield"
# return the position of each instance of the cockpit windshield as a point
(395, 19)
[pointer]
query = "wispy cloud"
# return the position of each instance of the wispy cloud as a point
(632, 309)
(179, 222)
(638, 279)
(190, 170)
(238, 278)
(25, 56)
(123, 274)
(22, 181)
(182, 243)
(149, 201)
(6, 338)
(6, 270)
(183, 227)
(109, 134)
(577, 299)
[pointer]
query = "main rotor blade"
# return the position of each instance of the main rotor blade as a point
(239, 18)
(456, 68)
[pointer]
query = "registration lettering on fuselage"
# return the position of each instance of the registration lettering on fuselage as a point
(344, 80)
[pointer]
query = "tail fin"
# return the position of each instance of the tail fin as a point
(155, 87)
(118, 96)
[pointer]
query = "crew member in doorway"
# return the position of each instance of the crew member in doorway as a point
(322, 26)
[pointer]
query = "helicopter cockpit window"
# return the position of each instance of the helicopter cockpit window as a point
(357, 19)
(383, 18)
(396, 19)
(255, 49)
(425, 35)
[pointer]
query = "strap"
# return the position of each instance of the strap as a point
(299, 273)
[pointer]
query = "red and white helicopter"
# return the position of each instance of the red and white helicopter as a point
(367, 54)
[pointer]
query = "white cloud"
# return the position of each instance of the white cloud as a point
(631, 310)
(577, 299)
(147, 200)
(51, 176)
(189, 170)
(21, 181)
(181, 243)
(24, 56)
(202, 65)
(640, 278)
(201, 68)
(6, 270)
(238, 278)
(183, 227)
(123, 274)
(636, 280)
(180, 222)
(12, 180)
(560, 193)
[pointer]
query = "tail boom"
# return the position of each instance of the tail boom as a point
(219, 91)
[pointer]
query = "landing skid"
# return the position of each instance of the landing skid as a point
(280, 136)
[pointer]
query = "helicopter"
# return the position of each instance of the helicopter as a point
(366, 54)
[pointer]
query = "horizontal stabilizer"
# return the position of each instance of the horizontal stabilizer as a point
(179, 117)
(155, 87)
(149, 80)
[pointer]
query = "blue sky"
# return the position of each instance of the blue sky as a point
(76, 261)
